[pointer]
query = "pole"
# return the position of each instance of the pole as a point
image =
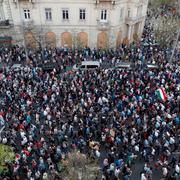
(178, 33)
(1, 130)
(22, 26)
(175, 45)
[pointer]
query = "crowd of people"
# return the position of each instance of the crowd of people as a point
(104, 111)
(111, 115)
(147, 51)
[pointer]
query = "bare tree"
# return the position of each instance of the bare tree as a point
(78, 166)
(165, 30)
(36, 31)
(157, 3)
(165, 20)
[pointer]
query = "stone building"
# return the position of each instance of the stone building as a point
(72, 23)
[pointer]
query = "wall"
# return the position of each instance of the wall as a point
(74, 25)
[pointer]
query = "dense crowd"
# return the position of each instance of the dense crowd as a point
(148, 51)
(46, 115)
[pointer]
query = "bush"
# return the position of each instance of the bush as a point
(78, 166)
(6, 156)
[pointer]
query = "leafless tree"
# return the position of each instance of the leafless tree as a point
(78, 166)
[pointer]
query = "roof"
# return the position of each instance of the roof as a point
(123, 64)
(17, 66)
(152, 66)
(90, 63)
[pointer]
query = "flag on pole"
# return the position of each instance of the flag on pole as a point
(161, 94)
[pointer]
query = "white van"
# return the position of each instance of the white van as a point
(152, 66)
(87, 65)
(123, 65)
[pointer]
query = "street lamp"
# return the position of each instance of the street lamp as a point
(175, 45)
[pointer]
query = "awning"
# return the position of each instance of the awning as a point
(6, 39)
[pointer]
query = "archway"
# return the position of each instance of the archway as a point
(102, 40)
(30, 40)
(50, 39)
(66, 39)
(136, 30)
(126, 41)
(82, 39)
(118, 39)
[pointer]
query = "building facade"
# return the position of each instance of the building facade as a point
(72, 23)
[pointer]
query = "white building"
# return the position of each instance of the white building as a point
(93, 23)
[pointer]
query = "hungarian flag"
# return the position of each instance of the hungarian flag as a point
(161, 94)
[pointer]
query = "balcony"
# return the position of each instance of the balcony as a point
(113, 2)
(103, 25)
(134, 20)
(104, 0)
(30, 1)
(5, 24)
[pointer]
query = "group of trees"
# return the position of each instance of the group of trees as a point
(157, 3)
(167, 23)
(165, 30)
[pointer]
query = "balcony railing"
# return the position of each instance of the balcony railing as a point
(113, 2)
(132, 20)
(31, 1)
(105, 0)
(103, 24)
(5, 24)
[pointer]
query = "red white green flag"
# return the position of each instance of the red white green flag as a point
(161, 94)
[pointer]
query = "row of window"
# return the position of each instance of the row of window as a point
(65, 14)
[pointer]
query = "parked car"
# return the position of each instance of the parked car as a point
(48, 67)
(17, 67)
(87, 65)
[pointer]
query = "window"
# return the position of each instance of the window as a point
(27, 14)
(139, 11)
(48, 14)
(128, 12)
(82, 14)
(65, 14)
(121, 13)
(103, 14)
(92, 66)
(1, 12)
(82, 66)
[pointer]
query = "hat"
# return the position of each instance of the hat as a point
(21, 126)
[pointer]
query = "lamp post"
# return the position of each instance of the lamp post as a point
(178, 33)
(175, 45)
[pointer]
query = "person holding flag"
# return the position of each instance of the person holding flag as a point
(160, 92)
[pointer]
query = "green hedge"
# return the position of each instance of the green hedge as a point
(6, 155)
